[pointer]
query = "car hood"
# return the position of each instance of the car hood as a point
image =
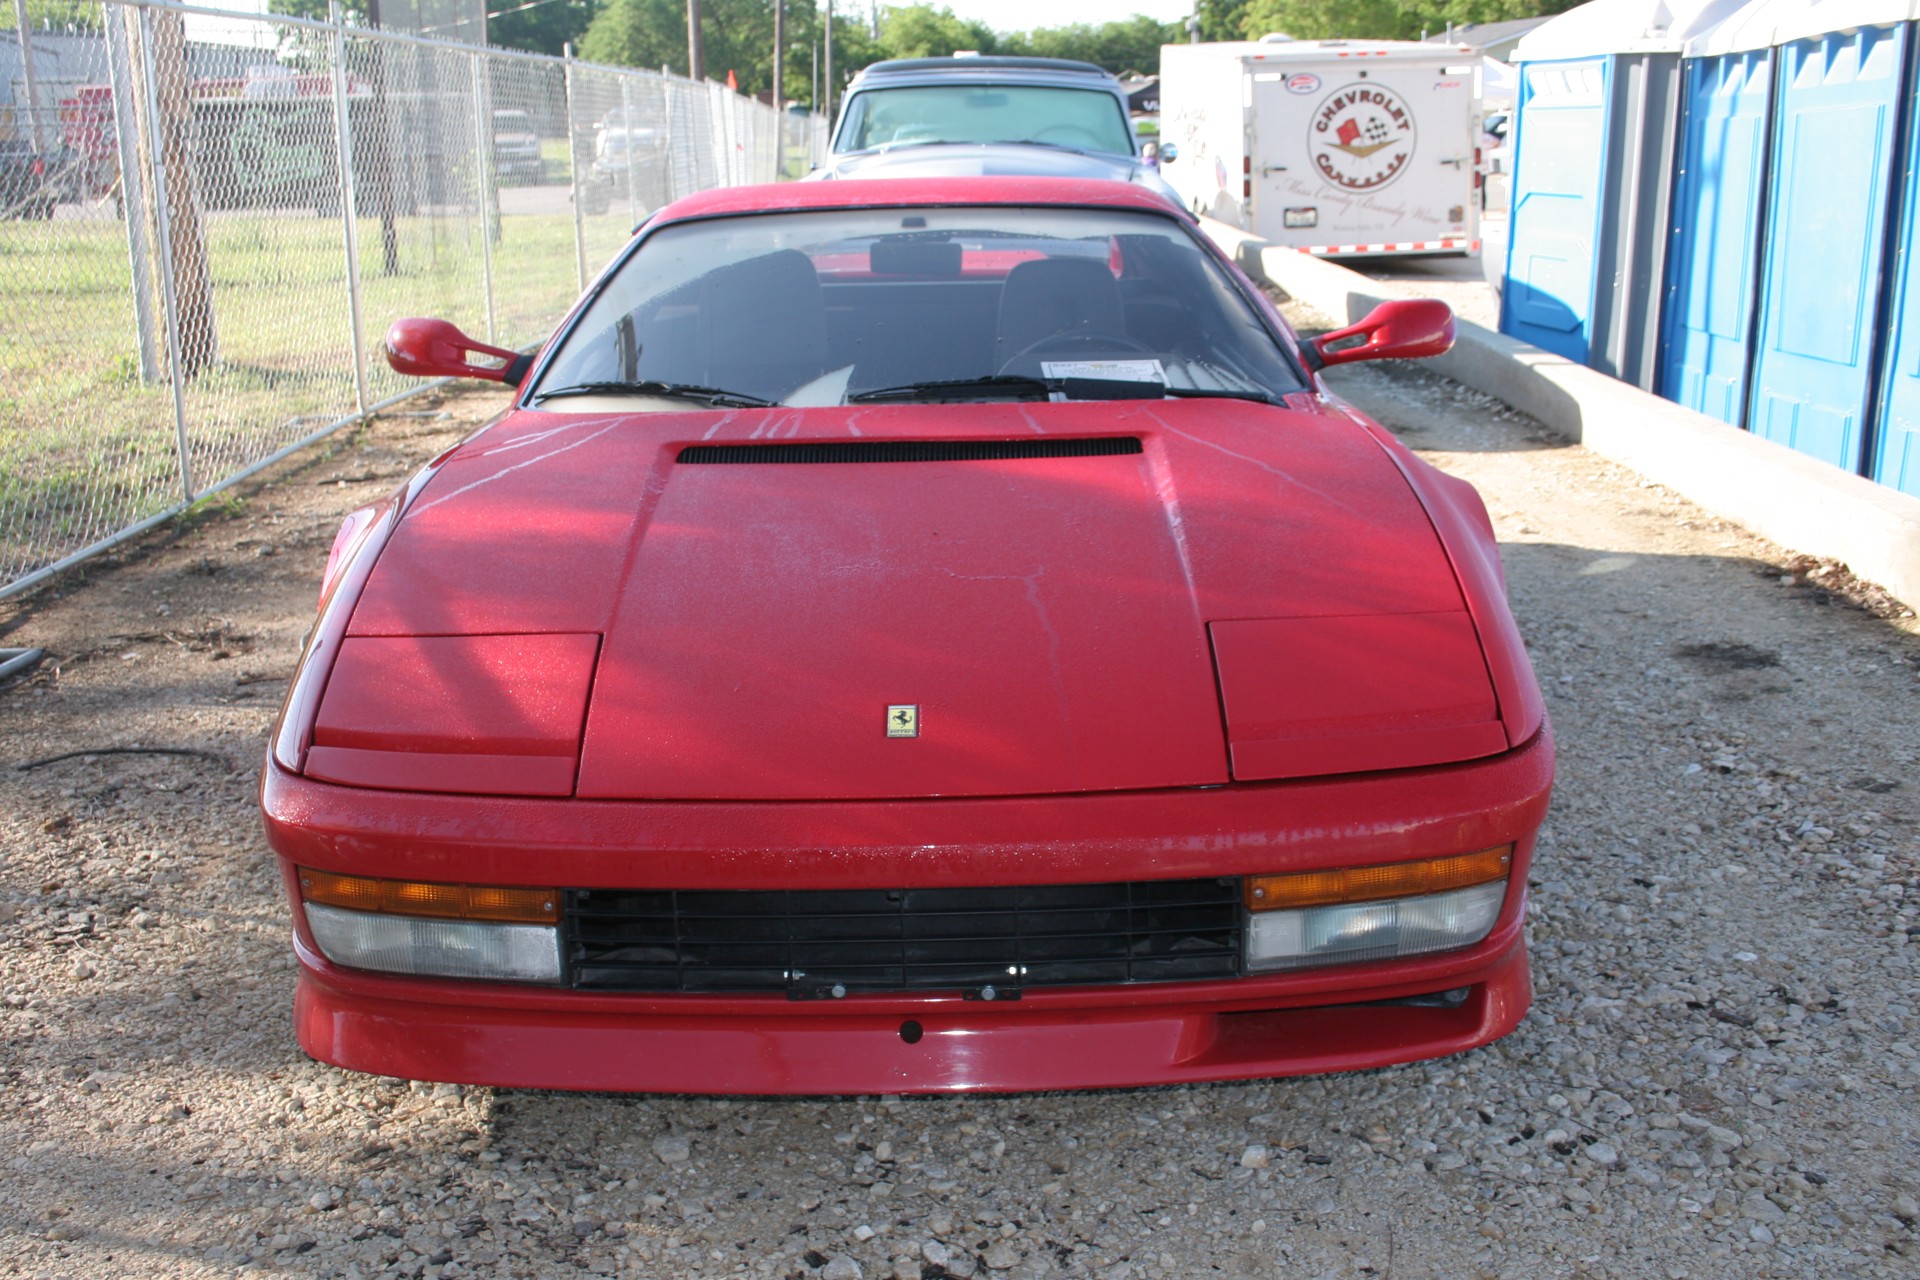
(1254, 593)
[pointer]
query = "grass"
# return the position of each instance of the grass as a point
(87, 447)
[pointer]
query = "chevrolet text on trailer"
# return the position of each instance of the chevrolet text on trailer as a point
(912, 636)
(1339, 148)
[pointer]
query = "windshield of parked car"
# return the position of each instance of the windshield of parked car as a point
(1084, 119)
(933, 304)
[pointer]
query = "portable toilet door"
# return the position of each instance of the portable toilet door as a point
(1896, 431)
(1835, 138)
(1553, 223)
(1597, 122)
(1713, 259)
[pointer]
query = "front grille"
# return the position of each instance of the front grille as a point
(909, 450)
(808, 943)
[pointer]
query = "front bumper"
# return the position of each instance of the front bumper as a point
(1154, 1033)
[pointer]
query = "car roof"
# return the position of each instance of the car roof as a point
(785, 197)
(920, 66)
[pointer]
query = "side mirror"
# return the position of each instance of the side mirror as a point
(1405, 329)
(435, 349)
(1169, 152)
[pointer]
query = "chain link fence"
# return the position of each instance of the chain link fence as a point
(208, 219)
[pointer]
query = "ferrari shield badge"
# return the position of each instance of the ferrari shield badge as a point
(903, 721)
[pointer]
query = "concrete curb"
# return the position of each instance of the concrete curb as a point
(1781, 495)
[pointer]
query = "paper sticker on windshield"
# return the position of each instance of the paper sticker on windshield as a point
(1107, 370)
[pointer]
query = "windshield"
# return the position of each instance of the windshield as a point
(829, 307)
(1085, 119)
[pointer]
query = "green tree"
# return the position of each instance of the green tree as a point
(639, 33)
(1312, 20)
(1222, 19)
(57, 14)
(1129, 45)
(922, 31)
(739, 38)
(1380, 19)
(545, 27)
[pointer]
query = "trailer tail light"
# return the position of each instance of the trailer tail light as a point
(1246, 177)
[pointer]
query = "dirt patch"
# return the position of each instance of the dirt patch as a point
(1727, 655)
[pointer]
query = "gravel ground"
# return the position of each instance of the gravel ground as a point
(1718, 1078)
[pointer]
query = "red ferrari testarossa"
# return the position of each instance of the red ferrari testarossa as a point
(912, 636)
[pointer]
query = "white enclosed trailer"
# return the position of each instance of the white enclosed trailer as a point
(1345, 148)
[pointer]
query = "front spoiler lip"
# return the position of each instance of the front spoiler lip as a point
(562, 1040)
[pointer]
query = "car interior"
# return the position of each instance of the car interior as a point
(912, 309)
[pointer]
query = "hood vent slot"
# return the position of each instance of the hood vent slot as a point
(909, 450)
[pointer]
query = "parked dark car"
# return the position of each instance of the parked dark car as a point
(516, 147)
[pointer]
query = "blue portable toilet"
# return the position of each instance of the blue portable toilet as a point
(1719, 190)
(1896, 434)
(1596, 126)
(1840, 98)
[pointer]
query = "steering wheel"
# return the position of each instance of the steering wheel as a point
(1063, 342)
(1069, 135)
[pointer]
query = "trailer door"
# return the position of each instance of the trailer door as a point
(1364, 160)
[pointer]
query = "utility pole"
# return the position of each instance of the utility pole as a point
(828, 85)
(779, 53)
(696, 44)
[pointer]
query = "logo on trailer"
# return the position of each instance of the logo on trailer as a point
(1362, 137)
(1304, 82)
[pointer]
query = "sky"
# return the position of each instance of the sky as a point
(1025, 15)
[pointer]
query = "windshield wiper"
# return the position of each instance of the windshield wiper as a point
(675, 390)
(1002, 384)
(1012, 385)
(1221, 393)
(1017, 385)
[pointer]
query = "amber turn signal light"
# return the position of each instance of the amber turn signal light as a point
(1370, 884)
(421, 898)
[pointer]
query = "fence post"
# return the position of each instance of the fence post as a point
(483, 181)
(349, 204)
(573, 158)
(31, 76)
(133, 200)
(156, 148)
(626, 117)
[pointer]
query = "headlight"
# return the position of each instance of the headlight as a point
(434, 930)
(1374, 913)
